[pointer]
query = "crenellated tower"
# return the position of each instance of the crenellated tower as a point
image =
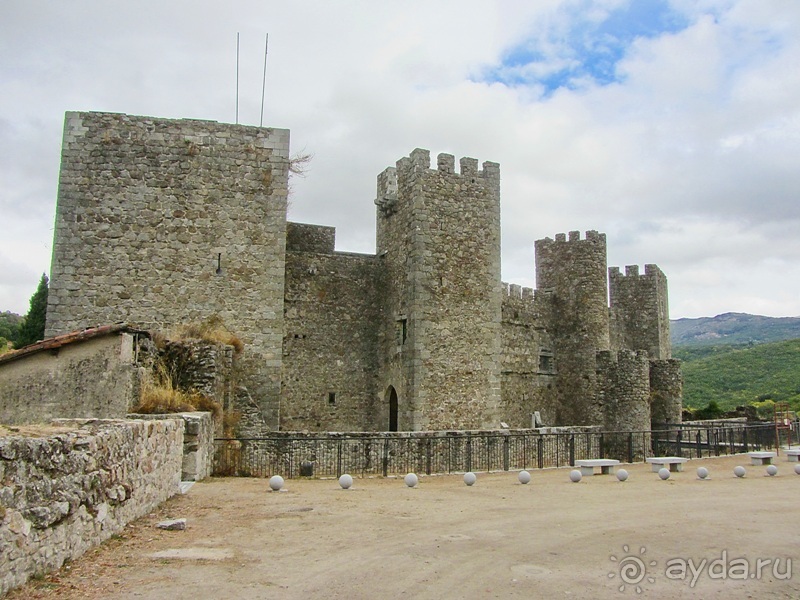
(438, 235)
(639, 310)
(572, 271)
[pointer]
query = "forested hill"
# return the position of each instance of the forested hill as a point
(733, 328)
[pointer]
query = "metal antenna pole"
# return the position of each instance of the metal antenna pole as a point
(264, 80)
(237, 77)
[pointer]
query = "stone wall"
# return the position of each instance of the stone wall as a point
(640, 311)
(198, 442)
(301, 237)
(208, 368)
(94, 378)
(527, 364)
(333, 311)
(161, 222)
(65, 493)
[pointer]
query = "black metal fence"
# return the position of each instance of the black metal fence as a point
(383, 454)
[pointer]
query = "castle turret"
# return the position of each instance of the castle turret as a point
(438, 233)
(573, 272)
(640, 311)
(666, 392)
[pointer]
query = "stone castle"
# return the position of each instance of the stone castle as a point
(162, 222)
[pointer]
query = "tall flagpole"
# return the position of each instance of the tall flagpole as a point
(264, 80)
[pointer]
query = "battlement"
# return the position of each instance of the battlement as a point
(420, 160)
(575, 236)
(650, 270)
(607, 358)
(517, 292)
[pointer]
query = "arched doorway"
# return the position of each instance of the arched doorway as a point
(392, 393)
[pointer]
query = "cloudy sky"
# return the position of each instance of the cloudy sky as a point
(671, 125)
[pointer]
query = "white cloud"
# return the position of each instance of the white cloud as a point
(688, 160)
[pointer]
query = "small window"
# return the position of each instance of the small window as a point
(402, 331)
(331, 398)
(546, 364)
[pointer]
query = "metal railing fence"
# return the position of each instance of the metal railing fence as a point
(383, 454)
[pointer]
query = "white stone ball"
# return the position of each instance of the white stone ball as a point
(346, 481)
(575, 476)
(622, 475)
(524, 477)
(739, 471)
(411, 480)
(772, 470)
(702, 472)
(663, 472)
(797, 469)
(469, 478)
(276, 483)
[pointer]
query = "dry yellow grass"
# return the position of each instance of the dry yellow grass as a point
(211, 330)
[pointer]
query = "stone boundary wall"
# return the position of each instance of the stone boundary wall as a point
(65, 493)
(198, 442)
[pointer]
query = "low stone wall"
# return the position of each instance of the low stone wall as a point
(198, 442)
(67, 492)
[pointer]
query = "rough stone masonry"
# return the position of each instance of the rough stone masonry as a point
(162, 222)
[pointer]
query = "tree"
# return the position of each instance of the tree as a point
(32, 329)
(9, 325)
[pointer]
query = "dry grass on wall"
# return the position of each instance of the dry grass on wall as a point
(212, 330)
(158, 395)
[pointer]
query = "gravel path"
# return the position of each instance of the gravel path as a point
(496, 539)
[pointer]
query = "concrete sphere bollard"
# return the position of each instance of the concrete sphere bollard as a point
(772, 470)
(702, 472)
(276, 483)
(411, 480)
(797, 469)
(524, 477)
(739, 471)
(470, 478)
(622, 475)
(663, 473)
(346, 481)
(575, 476)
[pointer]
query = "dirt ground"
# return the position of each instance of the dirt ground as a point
(599, 538)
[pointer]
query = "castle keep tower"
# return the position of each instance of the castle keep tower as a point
(163, 222)
(438, 234)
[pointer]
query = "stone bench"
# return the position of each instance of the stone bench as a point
(587, 466)
(673, 463)
(792, 454)
(761, 458)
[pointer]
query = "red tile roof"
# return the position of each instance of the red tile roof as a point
(74, 337)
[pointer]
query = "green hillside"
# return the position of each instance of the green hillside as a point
(738, 375)
(733, 328)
